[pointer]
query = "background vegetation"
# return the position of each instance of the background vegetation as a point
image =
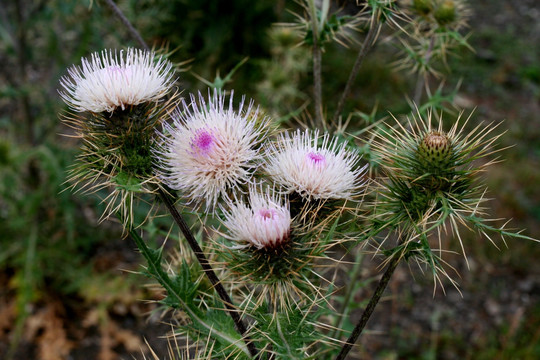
(65, 285)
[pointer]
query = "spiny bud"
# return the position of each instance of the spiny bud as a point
(423, 7)
(436, 161)
(445, 13)
(435, 152)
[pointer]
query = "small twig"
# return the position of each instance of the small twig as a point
(317, 60)
(366, 46)
(423, 77)
(116, 10)
(353, 278)
(207, 268)
(370, 307)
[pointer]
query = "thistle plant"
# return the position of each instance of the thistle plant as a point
(116, 100)
(279, 209)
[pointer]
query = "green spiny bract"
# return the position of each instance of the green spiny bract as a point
(432, 180)
(281, 274)
(117, 153)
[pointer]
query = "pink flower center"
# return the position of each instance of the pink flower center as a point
(203, 141)
(316, 158)
(267, 214)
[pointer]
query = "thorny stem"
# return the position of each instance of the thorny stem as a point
(155, 268)
(116, 10)
(366, 46)
(207, 268)
(348, 294)
(370, 307)
(423, 77)
(317, 59)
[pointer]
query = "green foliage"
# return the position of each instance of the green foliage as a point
(290, 333)
(210, 322)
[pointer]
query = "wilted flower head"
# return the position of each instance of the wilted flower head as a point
(111, 80)
(210, 148)
(320, 171)
(264, 223)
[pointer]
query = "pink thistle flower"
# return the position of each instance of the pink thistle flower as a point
(265, 223)
(110, 80)
(327, 171)
(210, 148)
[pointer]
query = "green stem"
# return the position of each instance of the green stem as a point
(348, 295)
(317, 60)
(120, 15)
(207, 268)
(370, 307)
(154, 264)
(368, 43)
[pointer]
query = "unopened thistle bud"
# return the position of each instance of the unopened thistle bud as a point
(436, 159)
(423, 7)
(445, 13)
(431, 172)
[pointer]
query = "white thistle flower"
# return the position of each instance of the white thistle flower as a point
(109, 81)
(320, 171)
(210, 148)
(264, 224)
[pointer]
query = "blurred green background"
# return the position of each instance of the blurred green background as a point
(64, 289)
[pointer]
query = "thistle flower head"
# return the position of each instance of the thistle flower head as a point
(210, 148)
(115, 107)
(111, 80)
(265, 223)
(265, 247)
(313, 169)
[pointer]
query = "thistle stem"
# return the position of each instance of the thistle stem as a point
(366, 46)
(422, 78)
(207, 268)
(381, 286)
(203, 261)
(348, 294)
(317, 60)
(120, 15)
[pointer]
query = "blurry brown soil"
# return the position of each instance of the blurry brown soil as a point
(107, 324)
